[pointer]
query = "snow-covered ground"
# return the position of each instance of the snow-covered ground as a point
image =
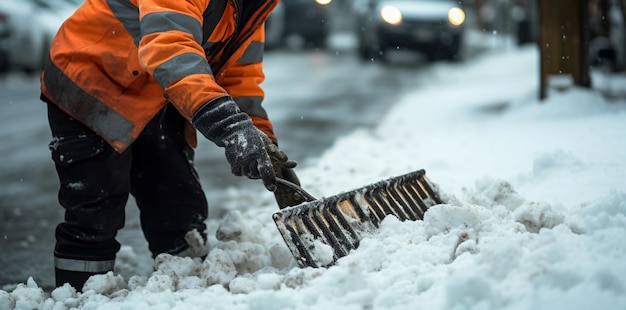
(534, 219)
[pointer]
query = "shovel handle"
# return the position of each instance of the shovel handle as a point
(294, 187)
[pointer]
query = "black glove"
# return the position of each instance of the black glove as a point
(283, 168)
(246, 147)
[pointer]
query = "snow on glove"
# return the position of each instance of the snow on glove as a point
(244, 145)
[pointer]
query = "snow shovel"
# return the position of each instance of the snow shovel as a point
(320, 231)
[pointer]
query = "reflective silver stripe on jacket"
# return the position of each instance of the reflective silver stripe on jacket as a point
(128, 14)
(178, 66)
(166, 21)
(253, 53)
(181, 65)
(111, 125)
(84, 265)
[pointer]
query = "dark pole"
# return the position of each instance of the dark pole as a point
(564, 42)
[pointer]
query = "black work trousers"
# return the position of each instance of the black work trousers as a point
(95, 183)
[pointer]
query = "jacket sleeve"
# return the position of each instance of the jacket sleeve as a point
(242, 78)
(171, 51)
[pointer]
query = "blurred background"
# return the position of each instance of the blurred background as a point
(332, 66)
(427, 26)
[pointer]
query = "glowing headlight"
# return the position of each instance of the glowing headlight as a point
(391, 15)
(456, 16)
(323, 2)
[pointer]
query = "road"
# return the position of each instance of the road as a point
(313, 97)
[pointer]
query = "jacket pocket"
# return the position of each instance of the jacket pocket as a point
(71, 149)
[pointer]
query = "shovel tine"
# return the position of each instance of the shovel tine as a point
(352, 238)
(327, 234)
(398, 195)
(341, 238)
(391, 198)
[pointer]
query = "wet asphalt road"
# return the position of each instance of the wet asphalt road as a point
(313, 97)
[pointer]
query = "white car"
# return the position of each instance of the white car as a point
(31, 26)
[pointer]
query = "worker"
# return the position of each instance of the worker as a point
(128, 84)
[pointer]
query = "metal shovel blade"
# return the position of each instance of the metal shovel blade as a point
(320, 231)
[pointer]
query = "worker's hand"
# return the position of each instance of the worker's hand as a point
(277, 156)
(283, 169)
(224, 124)
(285, 196)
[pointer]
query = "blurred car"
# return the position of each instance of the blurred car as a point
(432, 27)
(25, 42)
(307, 19)
(275, 27)
(4, 41)
(31, 26)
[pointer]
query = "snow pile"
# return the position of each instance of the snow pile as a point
(534, 215)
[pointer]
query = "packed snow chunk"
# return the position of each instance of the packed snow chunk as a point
(491, 193)
(190, 282)
(242, 285)
(105, 284)
(230, 227)
(301, 277)
(441, 219)
(137, 282)
(184, 272)
(247, 257)
(175, 266)
(399, 243)
(6, 300)
(280, 256)
(608, 212)
(160, 283)
(535, 216)
(269, 281)
(396, 234)
(28, 296)
(218, 268)
(198, 247)
(65, 295)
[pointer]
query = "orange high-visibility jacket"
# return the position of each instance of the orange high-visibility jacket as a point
(114, 64)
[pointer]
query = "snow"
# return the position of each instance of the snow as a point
(534, 215)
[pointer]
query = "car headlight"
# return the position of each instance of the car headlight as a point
(323, 2)
(391, 15)
(456, 16)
